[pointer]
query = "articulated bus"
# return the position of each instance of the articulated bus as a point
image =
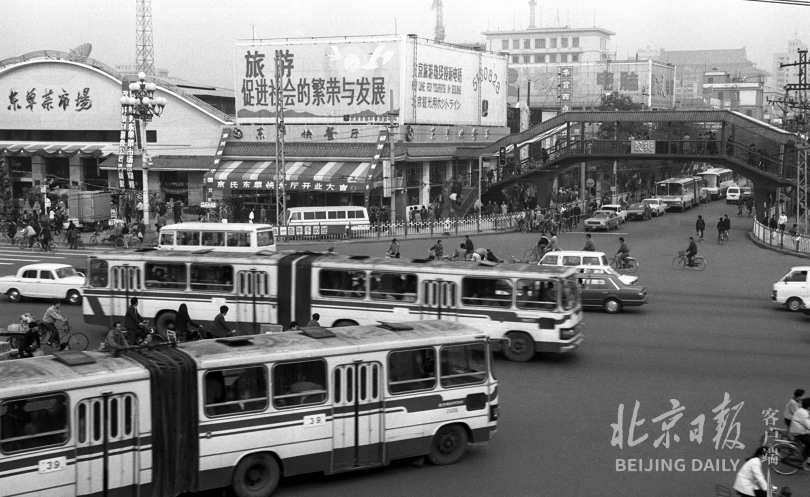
(678, 193)
(537, 307)
(717, 181)
(243, 411)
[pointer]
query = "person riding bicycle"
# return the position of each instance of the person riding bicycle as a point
(552, 242)
(739, 208)
(134, 322)
(721, 226)
(749, 204)
(700, 227)
(623, 252)
(726, 225)
(589, 246)
(49, 322)
(183, 323)
(115, 338)
(691, 252)
(800, 427)
(31, 336)
(543, 243)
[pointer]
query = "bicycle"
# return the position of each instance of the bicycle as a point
(786, 454)
(630, 264)
(40, 246)
(71, 340)
(680, 262)
(533, 255)
(127, 241)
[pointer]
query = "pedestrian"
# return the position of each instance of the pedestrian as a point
(504, 208)
(721, 225)
(686, 143)
(589, 246)
(490, 177)
(178, 212)
(437, 251)
(468, 244)
(750, 480)
(315, 321)
(128, 212)
(782, 221)
(46, 237)
(139, 208)
(393, 250)
(293, 326)
(700, 227)
(726, 225)
(772, 223)
(792, 405)
(251, 216)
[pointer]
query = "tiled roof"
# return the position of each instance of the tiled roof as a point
(166, 163)
(708, 58)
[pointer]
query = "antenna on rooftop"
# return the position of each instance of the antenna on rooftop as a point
(144, 50)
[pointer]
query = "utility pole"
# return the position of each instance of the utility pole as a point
(144, 49)
(281, 170)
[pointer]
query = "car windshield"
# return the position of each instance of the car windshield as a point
(601, 214)
(649, 201)
(66, 272)
(636, 207)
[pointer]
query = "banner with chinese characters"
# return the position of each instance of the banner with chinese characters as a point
(566, 87)
(450, 85)
(323, 80)
(123, 139)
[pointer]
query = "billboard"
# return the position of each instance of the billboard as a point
(450, 85)
(323, 80)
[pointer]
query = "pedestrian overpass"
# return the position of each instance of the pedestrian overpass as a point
(570, 142)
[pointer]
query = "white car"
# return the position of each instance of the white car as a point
(52, 281)
(586, 262)
(618, 209)
(657, 205)
(734, 195)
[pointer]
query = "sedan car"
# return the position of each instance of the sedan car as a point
(657, 205)
(639, 211)
(602, 220)
(52, 281)
(618, 209)
(608, 292)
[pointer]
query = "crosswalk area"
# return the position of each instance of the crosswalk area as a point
(14, 256)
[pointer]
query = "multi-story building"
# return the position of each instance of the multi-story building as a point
(561, 45)
(785, 75)
(722, 90)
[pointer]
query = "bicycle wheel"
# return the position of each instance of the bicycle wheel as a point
(614, 263)
(52, 246)
(135, 242)
(155, 243)
(78, 341)
(94, 240)
(530, 256)
(700, 263)
(119, 243)
(37, 247)
(788, 458)
(631, 266)
(678, 262)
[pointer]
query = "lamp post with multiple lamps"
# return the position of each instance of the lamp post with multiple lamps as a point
(143, 105)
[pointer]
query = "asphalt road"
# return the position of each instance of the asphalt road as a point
(702, 335)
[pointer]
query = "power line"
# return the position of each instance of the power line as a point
(798, 3)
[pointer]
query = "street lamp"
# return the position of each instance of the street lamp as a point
(143, 105)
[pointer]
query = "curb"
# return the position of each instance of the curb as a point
(776, 249)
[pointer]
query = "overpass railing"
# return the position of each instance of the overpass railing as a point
(780, 239)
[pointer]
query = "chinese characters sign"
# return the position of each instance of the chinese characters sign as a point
(642, 147)
(47, 100)
(126, 148)
(323, 81)
(566, 88)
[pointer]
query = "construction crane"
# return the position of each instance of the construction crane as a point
(145, 52)
(532, 6)
(438, 34)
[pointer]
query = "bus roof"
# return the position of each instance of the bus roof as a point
(326, 208)
(46, 374)
(288, 345)
(676, 180)
(716, 170)
(218, 226)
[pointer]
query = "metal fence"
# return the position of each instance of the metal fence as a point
(784, 240)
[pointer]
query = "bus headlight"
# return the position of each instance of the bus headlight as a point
(568, 333)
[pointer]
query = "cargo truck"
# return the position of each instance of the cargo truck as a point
(86, 209)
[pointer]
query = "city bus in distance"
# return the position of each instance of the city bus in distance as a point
(717, 181)
(678, 193)
(537, 307)
(243, 412)
(217, 237)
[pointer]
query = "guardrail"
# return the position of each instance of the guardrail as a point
(783, 240)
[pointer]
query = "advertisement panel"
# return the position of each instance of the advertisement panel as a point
(322, 80)
(662, 86)
(453, 86)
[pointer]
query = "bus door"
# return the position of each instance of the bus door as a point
(358, 415)
(439, 300)
(107, 445)
(126, 283)
(253, 292)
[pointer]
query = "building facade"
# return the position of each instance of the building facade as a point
(560, 45)
(722, 90)
(782, 76)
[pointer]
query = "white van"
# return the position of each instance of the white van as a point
(217, 237)
(590, 262)
(329, 215)
(734, 195)
(792, 290)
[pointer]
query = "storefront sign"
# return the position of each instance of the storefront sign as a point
(47, 100)
(208, 205)
(566, 87)
(351, 185)
(126, 148)
(642, 146)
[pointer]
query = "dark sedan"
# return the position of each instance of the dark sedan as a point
(639, 211)
(606, 291)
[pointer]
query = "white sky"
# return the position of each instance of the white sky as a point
(194, 39)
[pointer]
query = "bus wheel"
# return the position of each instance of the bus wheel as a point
(256, 475)
(448, 445)
(344, 322)
(520, 348)
(165, 322)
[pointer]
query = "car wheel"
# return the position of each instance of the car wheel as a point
(794, 304)
(14, 295)
(74, 297)
(612, 306)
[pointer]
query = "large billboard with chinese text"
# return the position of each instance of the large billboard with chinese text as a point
(450, 85)
(323, 80)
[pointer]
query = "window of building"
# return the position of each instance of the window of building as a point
(463, 365)
(748, 113)
(234, 391)
(299, 383)
(504, 44)
(162, 275)
(33, 423)
(393, 286)
(515, 59)
(488, 292)
(515, 44)
(710, 80)
(527, 59)
(720, 95)
(563, 57)
(536, 294)
(553, 42)
(99, 271)
(539, 43)
(552, 58)
(340, 283)
(527, 44)
(564, 42)
(575, 42)
(574, 57)
(212, 277)
(539, 58)
(411, 370)
(438, 171)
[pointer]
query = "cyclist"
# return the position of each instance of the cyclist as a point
(792, 405)
(134, 322)
(691, 252)
(27, 344)
(543, 243)
(727, 225)
(552, 242)
(800, 426)
(623, 252)
(49, 319)
(115, 338)
(739, 208)
(749, 204)
(721, 226)
(589, 246)
(700, 227)
(11, 231)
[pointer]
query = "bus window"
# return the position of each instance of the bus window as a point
(165, 276)
(320, 215)
(463, 365)
(338, 283)
(188, 238)
(299, 383)
(662, 189)
(98, 273)
(332, 214)
(341, 214)
(309, 216)
(233, 391)
(238, 239)
(393, 286)
(264, 238)
(490, 292)
(33, 423)
(213, 238)
(352, 214)
(411, 370)
(212, 277)
(536, 294)
(167, 238)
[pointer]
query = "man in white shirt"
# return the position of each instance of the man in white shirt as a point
(800, 426)
(782, 221)
(792, 405)
(750, 480)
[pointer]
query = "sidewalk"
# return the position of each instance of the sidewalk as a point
(777, 248)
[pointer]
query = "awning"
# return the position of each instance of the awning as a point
(43, 149)
(300, 176)
(165, 163)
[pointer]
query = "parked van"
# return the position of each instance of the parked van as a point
(217, 237)
(329, 215)
(586, 262)
(734, 195)
(792, 290)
